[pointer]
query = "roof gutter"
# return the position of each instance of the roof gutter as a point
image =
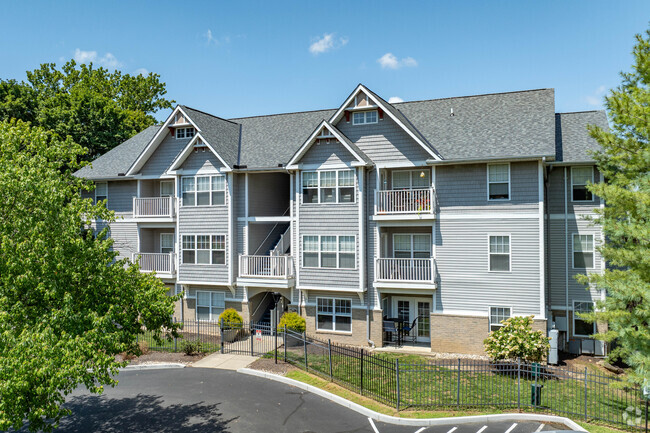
(565, 163)
(494, 159)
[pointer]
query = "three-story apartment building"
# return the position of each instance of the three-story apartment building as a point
(456, 213)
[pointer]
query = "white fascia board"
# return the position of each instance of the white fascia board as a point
(335, 118)
(188, 150)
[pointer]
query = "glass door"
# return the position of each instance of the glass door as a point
(424, 321)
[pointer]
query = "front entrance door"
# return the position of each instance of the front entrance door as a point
(407, 309)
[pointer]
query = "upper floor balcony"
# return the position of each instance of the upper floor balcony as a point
(274, 271)
(405, 202)
(160, 263)
(154, 207)
(405, 273)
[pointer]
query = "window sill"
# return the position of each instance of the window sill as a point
(327, 331)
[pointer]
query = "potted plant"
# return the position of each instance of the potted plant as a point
(295, 324)
(231, 325)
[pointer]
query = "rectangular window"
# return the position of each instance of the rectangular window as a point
(204, 249)
(166, 188)
(101, 191)
(582, 328)
(411, 179)
(203, 190)
(412, 246)
(184, 133)
(334, 314)
(499, 252)
(335, 186)
(498, 181)
(210, 305)
(166, 242)
(329, 252)
(498, 315)
(364, 117)
(583, 251)
(580, 176)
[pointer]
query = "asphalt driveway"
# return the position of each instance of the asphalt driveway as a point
(206, 400)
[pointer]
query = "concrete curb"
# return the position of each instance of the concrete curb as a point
(425, 422)
(152, 366)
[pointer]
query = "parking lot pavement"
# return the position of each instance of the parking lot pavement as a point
(198, 400)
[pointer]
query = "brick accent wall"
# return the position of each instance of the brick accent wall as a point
(463, 334)
(358, 335)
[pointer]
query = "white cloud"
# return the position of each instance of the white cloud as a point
(395, 99)
(141, 71)
(596, 99)
(390, 61)
(108, 60)
(327, 43)
(210, 39)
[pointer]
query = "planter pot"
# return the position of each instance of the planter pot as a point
(230, 335)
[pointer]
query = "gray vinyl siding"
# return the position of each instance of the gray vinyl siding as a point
(561, 250)
(556, 193)
(462, 257)
(125, 238)
(462, 188)
(162, 158)
(384, 141)
(201, 161)
(329, 220)
(371, 247)
(150, 239)
(313, 295)
(327, 155)
(120, 197)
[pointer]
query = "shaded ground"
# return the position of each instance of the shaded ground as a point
(164, 357)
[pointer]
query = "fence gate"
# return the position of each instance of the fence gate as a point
(254, 339)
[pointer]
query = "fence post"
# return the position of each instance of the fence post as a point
(252, 332)
(285, 342)
(397, 382)
(329, 348)
(304, 344)
(585, 393)
(519, 384)
(458, 386)
(220, 333)
(361, 372)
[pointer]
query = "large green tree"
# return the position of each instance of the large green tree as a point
(67, 306)
(625, 219)
(96, 108)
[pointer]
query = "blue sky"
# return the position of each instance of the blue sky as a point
(243, 58)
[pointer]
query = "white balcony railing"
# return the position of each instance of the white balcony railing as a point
(407, 270)
(153, 207)
(161, 263)
(266, 266)
(403, 201)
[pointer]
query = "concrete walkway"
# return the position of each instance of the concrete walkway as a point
(225, 361)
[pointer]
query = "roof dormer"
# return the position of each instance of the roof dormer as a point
(362, 110)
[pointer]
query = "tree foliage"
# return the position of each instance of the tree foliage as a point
(517, 340)
(625, 163)
(67, 306)
(96, 108)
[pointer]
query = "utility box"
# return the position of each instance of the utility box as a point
(536, 394)
(553, 355)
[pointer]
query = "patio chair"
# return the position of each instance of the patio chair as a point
(389, 330)
(406, 331)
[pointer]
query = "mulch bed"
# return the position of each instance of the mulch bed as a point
(269, 365)
(163, 357)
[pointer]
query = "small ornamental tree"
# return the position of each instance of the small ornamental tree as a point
(293, 322)
(516, 339)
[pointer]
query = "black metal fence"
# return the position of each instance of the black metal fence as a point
(583, 394)
(208, 334)
(253, 339)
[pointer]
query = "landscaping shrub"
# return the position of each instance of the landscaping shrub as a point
(192, 347)
(516, 339)
(231, 319)
(144, 347)
(293, 321)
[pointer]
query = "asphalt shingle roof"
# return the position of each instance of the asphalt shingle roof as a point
(222, 134)
(572, 140)
(119, 159)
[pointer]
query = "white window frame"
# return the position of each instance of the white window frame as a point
(161, 242)
(499, 324)
(334, 314)
(509, 182)
(365, 117)
(211, 306)
(101, 195)
(412, 249)
(189, 129)
(508, 235)
(337, 187)
(573, 331)
(411, 174)
(579, 184)
(573, 250)
(210, 249)
(212, 189)
(320, 251)
(166, 182)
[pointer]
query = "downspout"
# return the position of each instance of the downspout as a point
(547, 229)
(566, 251)
(362, 250)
